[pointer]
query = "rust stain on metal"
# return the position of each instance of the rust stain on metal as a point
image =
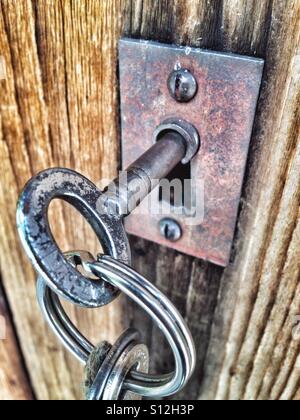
(223, 112)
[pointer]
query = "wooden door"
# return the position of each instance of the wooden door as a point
(59, 107)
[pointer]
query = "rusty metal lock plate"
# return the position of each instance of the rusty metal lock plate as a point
(223, 112)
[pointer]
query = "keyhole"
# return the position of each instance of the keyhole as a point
(182, 173)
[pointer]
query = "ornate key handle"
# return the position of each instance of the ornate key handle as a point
(38, 241)
(178, 141)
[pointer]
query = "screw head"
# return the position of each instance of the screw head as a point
(182, 85)
(170, 230)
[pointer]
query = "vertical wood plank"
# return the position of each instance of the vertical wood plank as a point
(267, 223)
(58, 108)
(180, 277)
(14, 382)
(266, 29)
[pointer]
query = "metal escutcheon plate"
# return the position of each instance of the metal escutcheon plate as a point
(222, 111)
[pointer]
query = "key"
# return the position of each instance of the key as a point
(178, 141)
(124, 357)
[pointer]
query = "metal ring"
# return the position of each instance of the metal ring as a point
(154, 302)
(75, 342)
(61, 324)
(186, 130)
(168, 319)
(104, 374)
(45, 255)
(135, 358)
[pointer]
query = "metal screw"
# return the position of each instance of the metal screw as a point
(182, 85)
(170, 230)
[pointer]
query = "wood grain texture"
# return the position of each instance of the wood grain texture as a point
(252, 286)
(14, 382)
(59, 106)
(243, 299)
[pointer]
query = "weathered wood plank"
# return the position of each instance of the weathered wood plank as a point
(268, 219)
(58, 108)
(181, 277)
(14, 382)
(255, 28)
